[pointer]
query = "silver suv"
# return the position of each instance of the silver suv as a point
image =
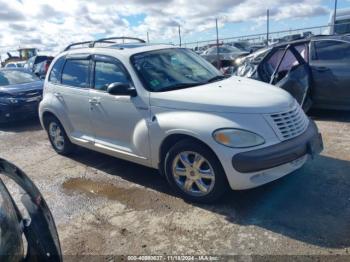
(167, 108)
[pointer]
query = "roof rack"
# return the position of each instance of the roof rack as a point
(91, 44)
(108, 40)
(74, 44)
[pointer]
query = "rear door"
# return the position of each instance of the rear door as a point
(330, 64)
(73, 95)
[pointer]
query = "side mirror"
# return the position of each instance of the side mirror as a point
(121, 89)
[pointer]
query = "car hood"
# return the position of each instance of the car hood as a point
(20, 89)
(235, 94)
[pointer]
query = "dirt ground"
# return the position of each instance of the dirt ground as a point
(107, 206)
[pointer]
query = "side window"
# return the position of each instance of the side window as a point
(76, 73)
(55, 74)
(107, 73)
(287, 63)
(331, 50)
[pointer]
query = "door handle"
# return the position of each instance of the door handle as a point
(94, 101)
(321, 68)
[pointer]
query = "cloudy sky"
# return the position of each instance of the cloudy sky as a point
(50, 24)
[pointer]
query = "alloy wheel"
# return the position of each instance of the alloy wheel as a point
(193, 173)
(56, 135)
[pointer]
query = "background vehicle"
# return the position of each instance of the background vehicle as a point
(227, 54)
(25, 223)
(15, 65)
(315, 71)
(20, 94)
(342, 22)
(42, 68)
(39, 64)
(167, 108)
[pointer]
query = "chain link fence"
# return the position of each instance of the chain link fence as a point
(261, 39)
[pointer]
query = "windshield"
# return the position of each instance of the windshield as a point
(173, 68)
(15, 77)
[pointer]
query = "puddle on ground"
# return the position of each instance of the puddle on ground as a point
(136, 198)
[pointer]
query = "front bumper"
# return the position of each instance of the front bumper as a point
(309, 143)
(16, 112)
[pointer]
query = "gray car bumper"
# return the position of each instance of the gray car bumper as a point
(310, 142)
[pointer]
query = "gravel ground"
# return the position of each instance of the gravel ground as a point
(107, 206)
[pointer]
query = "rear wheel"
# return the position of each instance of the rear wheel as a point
(58, 137)
(194, 172)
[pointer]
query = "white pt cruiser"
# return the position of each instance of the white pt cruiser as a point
(167, 108)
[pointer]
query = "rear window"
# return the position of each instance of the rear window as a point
(75, 73)
(15, 77)
(55, 74)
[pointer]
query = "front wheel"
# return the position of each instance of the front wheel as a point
(194, 172)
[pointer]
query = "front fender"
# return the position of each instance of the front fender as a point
(200, 125)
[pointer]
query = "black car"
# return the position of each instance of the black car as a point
(316, 71)
(20, 94)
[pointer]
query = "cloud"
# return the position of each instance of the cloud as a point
(54, 24)
(8, 13)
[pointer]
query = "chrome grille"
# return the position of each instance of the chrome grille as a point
(289, 124)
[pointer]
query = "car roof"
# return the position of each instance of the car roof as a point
(314, 38)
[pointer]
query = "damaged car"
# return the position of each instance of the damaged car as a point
(315, 71)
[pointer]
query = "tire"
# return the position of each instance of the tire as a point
(198, 179)
(60, 143)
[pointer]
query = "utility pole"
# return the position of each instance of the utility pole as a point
(147, 37)
(218, 63)
(180, 35)
(335, 13)
(267, 26)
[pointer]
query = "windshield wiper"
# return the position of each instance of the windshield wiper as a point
(216, 78)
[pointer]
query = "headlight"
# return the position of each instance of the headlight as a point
(239, 60)
(237, 138)
(8, 100)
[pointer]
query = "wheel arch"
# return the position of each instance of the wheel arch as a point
(174, 138)
(45, 116)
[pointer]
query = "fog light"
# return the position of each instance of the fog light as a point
(7, 115)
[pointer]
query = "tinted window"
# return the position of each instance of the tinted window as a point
(55, 74)
(40, 59)
(332, 50)
(15, 77)
(75, 73)
(342, 27)
(107, 73)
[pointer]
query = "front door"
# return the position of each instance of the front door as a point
(119, 122)
(290, 71)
